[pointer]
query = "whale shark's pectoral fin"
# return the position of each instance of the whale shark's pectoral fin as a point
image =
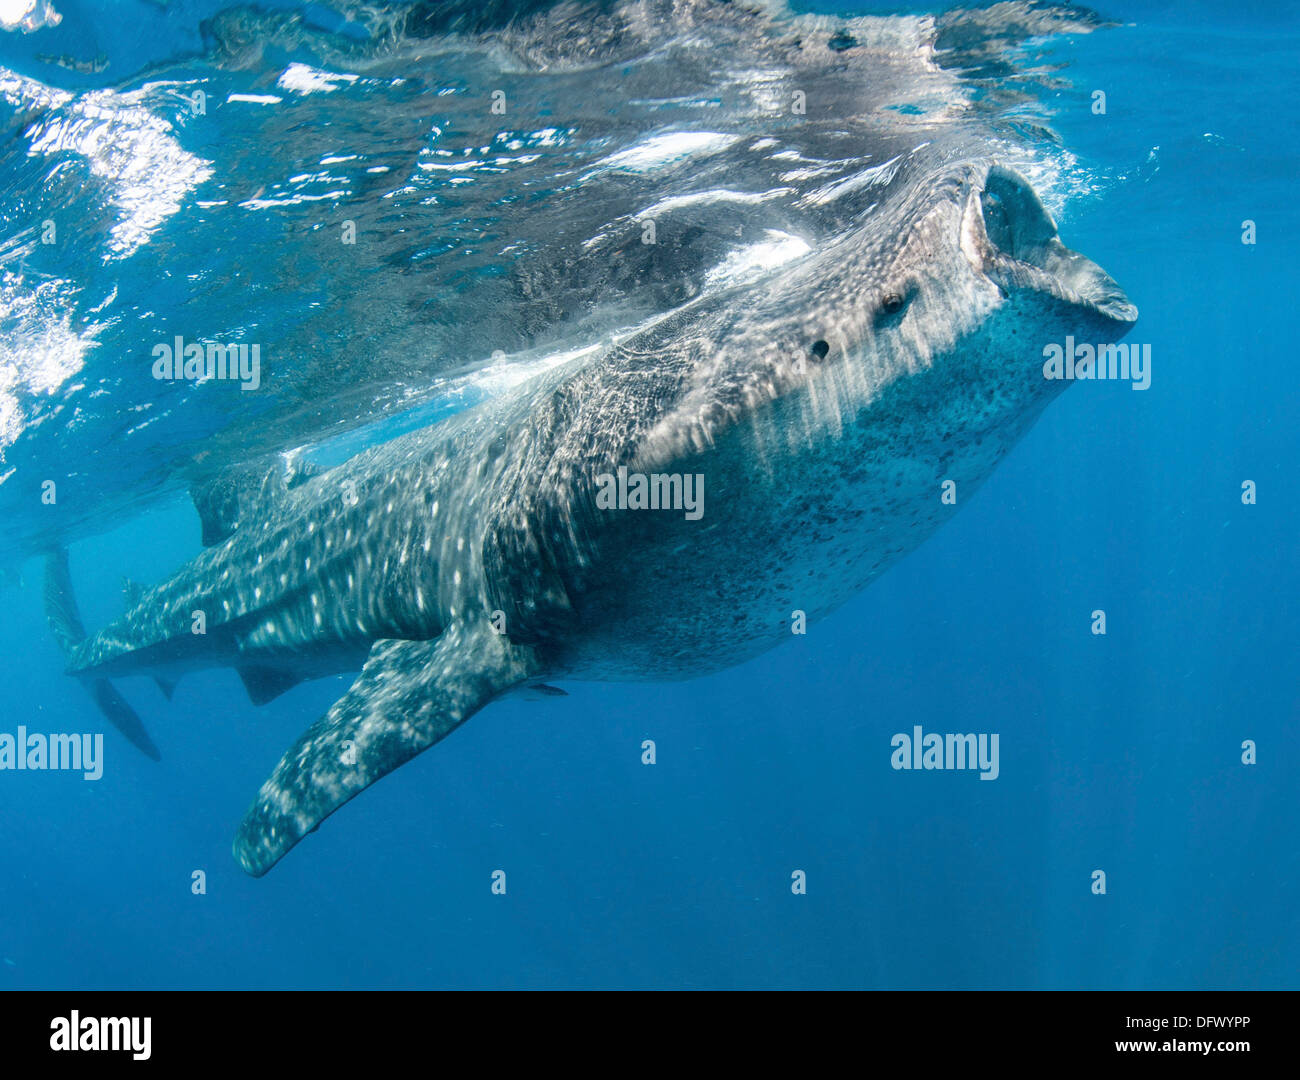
(408, 696)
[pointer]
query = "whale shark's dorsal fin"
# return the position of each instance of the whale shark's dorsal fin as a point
(131, 592)
(408, 696)
(242, 493)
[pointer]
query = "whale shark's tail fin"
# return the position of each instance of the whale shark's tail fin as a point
(409, 695)
(65, 623)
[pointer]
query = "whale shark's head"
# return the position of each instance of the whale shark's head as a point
(825, 419)
(837, 413)
(950, 297)
(952, 287)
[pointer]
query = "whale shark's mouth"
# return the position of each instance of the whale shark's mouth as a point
(1009, 235)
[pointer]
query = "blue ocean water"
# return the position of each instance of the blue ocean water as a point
(1120, 752)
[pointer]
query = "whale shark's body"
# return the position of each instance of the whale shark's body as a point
(824, 407)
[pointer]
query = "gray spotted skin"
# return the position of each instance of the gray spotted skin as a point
(820, 469)
(818, 474)
(409, 695)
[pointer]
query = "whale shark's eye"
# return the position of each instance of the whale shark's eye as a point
(892, 305)
(820, 349)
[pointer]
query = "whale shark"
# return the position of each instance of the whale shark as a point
(820, 412)
(450, 180)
